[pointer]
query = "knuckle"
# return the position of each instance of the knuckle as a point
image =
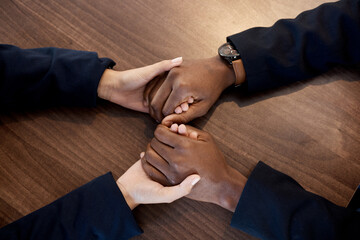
(166, 182)
(155, 111)
(175, 167)
(159, 130)
(143, 161)
(152, 109)
(149, 171)
(153, 106)
(150, 174)
(182, 87)
(148, 148)
(146, 158)
(153, 142)
(167, 111)
(149, 157)
(173, 181)
(186, 145)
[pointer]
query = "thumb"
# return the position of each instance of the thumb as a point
(170, 194)
(151, 71)
(187, 131)
(195, 110)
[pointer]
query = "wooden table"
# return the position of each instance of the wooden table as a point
(310, 130)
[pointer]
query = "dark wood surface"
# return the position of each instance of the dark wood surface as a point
(310, 130)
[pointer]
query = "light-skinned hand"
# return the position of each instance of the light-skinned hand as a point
(126, 88)
(137, 188)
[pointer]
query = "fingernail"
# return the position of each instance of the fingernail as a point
(178, 110)
(174, 127)
(194, 135)
(182, 128)
(184, 107)
(195, 181)
(176, 60)
(142, 154)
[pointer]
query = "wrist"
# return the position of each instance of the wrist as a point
(105, 84)
(231, 189)
(128, 198)
(226, 70)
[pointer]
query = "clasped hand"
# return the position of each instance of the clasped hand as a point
(179, 151)
(177, 155)
(200, 81)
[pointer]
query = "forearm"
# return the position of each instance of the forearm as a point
(95, 209)
(300, 48)
(49, 76)
(274, 206)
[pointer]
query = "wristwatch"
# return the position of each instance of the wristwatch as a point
(232, 56)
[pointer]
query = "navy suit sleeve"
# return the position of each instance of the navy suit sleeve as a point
(300, 48)
(96, 210)
(274, 206)
(49, 76)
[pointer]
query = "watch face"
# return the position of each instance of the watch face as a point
(228, 51)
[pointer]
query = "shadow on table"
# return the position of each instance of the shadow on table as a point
(243, 98)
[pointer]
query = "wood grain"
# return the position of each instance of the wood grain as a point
(310, 130)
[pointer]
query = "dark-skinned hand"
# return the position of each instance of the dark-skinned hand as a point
(198, 82)
(177, 152)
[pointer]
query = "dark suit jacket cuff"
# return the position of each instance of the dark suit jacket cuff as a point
(114, 214)
(275, 206)
(248, 213)
(254, 60)
(85, 92)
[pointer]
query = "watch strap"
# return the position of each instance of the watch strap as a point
(239, 72)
